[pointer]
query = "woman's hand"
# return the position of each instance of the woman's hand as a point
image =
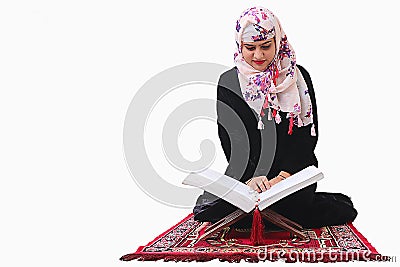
(275, 180)
(259, 183)
(281, 176)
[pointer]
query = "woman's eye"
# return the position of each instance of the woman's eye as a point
(250, 48)
(265, 47)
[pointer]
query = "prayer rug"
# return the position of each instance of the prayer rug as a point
(326, 244)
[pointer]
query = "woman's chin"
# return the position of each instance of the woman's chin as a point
(259, 67)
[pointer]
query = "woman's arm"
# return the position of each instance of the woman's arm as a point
(237, 129)
(296, 151)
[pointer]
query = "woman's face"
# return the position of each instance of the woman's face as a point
(259, 54)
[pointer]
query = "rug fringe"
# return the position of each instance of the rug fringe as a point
(238, 257)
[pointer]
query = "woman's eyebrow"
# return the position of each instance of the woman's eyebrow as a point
(251, 45)
(267, 42)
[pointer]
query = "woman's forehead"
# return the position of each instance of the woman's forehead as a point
(261, 42)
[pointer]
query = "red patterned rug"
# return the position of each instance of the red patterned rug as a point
(326, 244)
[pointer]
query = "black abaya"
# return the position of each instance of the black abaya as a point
(251, 152)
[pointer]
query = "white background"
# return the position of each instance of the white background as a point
(69, 69)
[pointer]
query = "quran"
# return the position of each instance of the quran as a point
(245, 198)
(248, 200)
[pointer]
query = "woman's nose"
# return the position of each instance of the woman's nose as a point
(258, 54)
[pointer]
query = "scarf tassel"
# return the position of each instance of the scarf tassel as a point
(274, 114)
(277, 118)
(260, 125)
(313, 132)
(276, 75)
(290, 126)
(257, 228)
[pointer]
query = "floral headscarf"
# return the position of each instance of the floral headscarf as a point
(281, 86)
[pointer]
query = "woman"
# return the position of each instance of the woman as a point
(268, 98)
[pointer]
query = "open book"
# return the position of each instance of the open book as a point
(245, 198)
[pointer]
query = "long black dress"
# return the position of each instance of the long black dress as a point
(251, 152)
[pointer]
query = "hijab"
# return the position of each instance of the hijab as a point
(281, 86)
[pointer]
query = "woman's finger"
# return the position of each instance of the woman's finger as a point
(259, 188)
(266, 183)
(255, 186)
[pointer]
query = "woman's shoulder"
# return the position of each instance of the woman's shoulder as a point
(305, 73)
(229, 80)
(229, 74)
(307, 79)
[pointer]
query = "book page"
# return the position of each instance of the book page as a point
(225, 187)
(290, 185)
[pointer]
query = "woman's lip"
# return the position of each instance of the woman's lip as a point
(259, 62)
